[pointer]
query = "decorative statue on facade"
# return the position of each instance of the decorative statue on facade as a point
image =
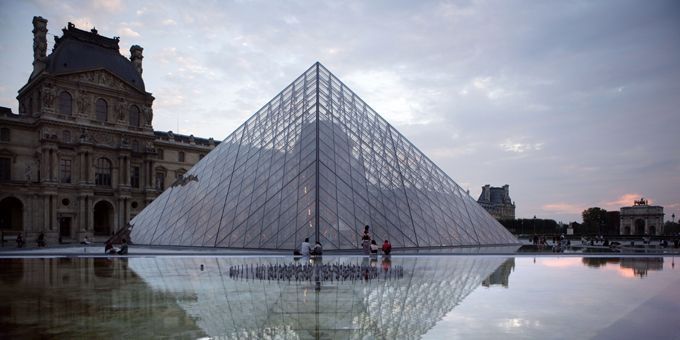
(136, 57)
(148, 114)
(120, 109)
(39, 44)
(48, 96)
(83, 102)
(642, 201)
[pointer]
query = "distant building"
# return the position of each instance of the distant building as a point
(497, 202)
(642, 219)
(81, 156)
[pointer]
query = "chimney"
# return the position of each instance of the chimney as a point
(136, 57)
(39, 44)
(486, 193)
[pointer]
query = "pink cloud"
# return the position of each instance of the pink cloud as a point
(563, 208)
(624, 200)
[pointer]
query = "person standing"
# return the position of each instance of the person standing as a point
(305, 247)
(20, 241)
(41, 240)
(366, 241)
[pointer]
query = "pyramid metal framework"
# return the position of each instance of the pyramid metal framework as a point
(316, 162)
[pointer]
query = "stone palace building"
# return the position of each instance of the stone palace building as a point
(497, 202)
(81, 156)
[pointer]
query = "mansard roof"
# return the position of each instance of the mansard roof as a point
(77, 50)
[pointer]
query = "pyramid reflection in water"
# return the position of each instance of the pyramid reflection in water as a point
(403, 308)
(318, 162)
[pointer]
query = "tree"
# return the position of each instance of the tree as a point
(594, 218)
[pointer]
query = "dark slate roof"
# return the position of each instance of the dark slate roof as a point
(170, 136)
(79, 50)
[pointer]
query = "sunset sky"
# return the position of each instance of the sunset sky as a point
(573, 104)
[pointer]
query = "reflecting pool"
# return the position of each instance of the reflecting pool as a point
(405, 297)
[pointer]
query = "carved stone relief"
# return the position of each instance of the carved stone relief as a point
(83, 102)
(99, 78)
(48, 97)
(148, 114)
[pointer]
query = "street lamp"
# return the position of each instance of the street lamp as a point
(534, 224)
(673, 216)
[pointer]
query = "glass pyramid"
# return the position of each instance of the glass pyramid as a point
(317, 162)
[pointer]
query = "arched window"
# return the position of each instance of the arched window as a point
(102, 110)
(65, 103)
(134, 116)
(102, 173)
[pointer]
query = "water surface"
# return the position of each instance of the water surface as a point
(437, 297)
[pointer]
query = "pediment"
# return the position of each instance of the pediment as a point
(101, 77)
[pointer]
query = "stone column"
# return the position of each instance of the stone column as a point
(81, 214)
(90, 168)
(46, 212)
(55, 165)
(53, 212)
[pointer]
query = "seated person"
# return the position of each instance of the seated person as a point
(85, 241)
(109, 249)
(123, 248)
(317, 250)
(386, 247)
(374, 248)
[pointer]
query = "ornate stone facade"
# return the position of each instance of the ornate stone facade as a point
(81, 157)
(642, 219)
(497, 202)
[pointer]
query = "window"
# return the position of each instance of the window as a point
(4, 134)
(65, 170)
(134, 116)
(67, 136)
(160, 154)
(5, 169)
(65, 103)
(102, 173)
(180, 173)
(102, 110)
(180, 156)
(134, 177)
(160, 180)
(135, 146)
(200, 156)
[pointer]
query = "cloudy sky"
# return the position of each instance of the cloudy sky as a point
(573, 104)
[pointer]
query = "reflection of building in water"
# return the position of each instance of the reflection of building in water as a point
(85, 298)
(639, 265)
(642, 219)
(501, 276)
(404, 308)
(316, 162)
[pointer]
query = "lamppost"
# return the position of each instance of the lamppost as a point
(534, 224)
(673, 216)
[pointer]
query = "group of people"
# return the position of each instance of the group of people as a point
(110, 249)
(306, 249)
(371, 247)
